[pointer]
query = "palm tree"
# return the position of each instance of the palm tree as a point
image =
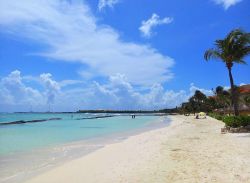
(222, 98)
(193, 104)
(233, 49)
(200, 99)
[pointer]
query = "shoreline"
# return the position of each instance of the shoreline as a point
(188, 150)
(56, 156)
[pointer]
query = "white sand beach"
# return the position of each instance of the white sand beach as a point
(189, 150)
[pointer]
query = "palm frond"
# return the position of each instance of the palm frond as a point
(233, 49)
(240, 62)
(212, 54)
(235, 34)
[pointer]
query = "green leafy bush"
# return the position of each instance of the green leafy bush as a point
(219, 117)
(216, 116)
(245, 120)
(232, 121)
(236, 121)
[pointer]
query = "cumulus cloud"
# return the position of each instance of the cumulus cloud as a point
(51, 86)
(106, 3)
(69, 82)
(227, 3)
(116, 93)
(71, 33)
(147, 26)
(193, 88)
(13, 92)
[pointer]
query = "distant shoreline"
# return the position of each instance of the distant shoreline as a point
(172, 110)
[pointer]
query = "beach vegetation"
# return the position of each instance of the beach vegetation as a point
(231, 50)
(222, 98)
(216, 116)
(236, 121)
(219, 105)
(197, 103)
(232, 121)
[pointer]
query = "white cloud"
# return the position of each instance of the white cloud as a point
(69, 82)
(193, 88)
(226, 87)
(51, 86)
(14, 92)
(116, 93)
(147, 26)
(72, 34)
(106, 3)
(227, 3)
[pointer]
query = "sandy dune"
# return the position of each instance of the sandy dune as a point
(189, 150)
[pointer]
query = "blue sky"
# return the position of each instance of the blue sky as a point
(112, 54)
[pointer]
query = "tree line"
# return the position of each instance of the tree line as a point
(220, 102)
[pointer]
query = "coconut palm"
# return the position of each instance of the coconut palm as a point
(200, 98)
(222, 98)
(233, 49)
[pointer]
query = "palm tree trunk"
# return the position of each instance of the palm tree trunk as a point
(234, 97)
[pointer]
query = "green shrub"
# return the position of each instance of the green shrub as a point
(245, 120)
(219, 117)
(216, 116)
(236, 121)
(211, 114)
(231, 121)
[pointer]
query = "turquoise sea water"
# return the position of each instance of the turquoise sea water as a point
(30, 148)
(29, 136)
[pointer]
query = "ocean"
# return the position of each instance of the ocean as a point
(36, 141)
